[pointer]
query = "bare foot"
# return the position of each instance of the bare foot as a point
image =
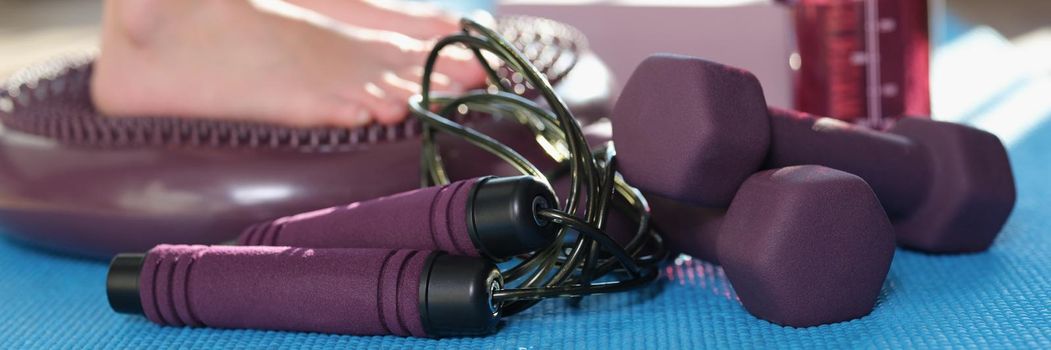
(265, 61)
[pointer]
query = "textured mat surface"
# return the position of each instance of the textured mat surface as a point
(997, 299)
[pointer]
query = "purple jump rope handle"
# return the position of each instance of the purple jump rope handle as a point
(432, 218)
(343, 291)
(490, 216)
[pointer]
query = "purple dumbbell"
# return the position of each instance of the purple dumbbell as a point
(344, 291)
(694, 130)
(802, 245)
(493, 217)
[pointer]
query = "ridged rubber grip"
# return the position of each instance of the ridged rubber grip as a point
(432, 218)
(344, 291)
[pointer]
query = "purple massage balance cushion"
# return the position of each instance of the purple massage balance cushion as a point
(79, 182)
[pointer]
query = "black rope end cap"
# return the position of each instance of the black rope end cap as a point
(122, 283)
(503, 216)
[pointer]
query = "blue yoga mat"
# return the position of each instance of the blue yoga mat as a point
(1000, 298)
(996, 299)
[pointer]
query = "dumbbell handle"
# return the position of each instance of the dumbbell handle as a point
(895, 167)
(688, 229)
(344, 291)
(491, 216)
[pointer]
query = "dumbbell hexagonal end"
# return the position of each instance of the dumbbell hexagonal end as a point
(684, 121)
(971, 192)
(806, 245)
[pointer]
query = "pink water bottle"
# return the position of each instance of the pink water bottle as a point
(864, 61)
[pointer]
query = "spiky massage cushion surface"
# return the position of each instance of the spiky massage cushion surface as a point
(79, 182)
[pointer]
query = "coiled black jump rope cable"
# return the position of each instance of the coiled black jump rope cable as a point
(560, 270)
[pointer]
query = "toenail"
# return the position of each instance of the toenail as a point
(361, 117)
(6, 105)
(375, 90)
